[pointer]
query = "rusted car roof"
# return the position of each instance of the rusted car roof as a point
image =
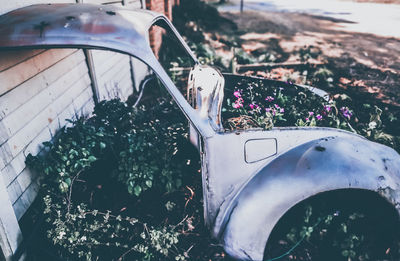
(94, 26)
(78, 25)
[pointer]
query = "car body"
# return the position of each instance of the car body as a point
(251, 178)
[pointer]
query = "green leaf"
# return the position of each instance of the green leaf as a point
(63, 187)
(130, 189)
(137, 190)
(92, 158)
(149, 183)
(68, 181)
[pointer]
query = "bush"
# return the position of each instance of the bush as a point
(101, 166)
(148, 153)
(91, 234)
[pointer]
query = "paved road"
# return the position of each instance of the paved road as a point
(379, 19)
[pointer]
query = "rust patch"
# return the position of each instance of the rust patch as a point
(98, 28)
(50, 120)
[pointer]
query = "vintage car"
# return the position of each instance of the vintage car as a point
(251, 178)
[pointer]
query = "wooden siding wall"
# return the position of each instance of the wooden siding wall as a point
(113, 74)
(113, 71)
(39, 90)
(8, 5)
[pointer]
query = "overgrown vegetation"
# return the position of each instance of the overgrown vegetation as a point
(120, 185)
(339, 225)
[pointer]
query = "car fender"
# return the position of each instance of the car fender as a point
(317, 166)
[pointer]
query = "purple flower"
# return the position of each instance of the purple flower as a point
(346, 112)
(319, 117)
(267, 109)
(237, 94)
(282, 110)
(269, 98)
(276, 106)
(307, 119)
(310, 113)
(327, 108)
(254, 106)
(238, 103)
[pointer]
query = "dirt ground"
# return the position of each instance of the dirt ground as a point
(369, 62)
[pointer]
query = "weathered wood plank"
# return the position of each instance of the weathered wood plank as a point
(123, 83)
(48, 132)
(35, 145)
(5, 154)
(113, 75)
(72, 111)
(16, 169)
(104, 61)
(36, 104)
(11, 170)
(14, 76)
(7, 6)
(19, 208)
(10, 233)
(80, 101)
(26, 199)
(11, 58)
(25, 178)
(127, 88)
(19, 96)
(2, 164)
(18, 141)
(14, 191)
(87, 108)
(109, 81)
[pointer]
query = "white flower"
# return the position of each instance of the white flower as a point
(372, 125)
(61, 235)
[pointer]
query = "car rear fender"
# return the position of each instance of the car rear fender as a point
(317, 166)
